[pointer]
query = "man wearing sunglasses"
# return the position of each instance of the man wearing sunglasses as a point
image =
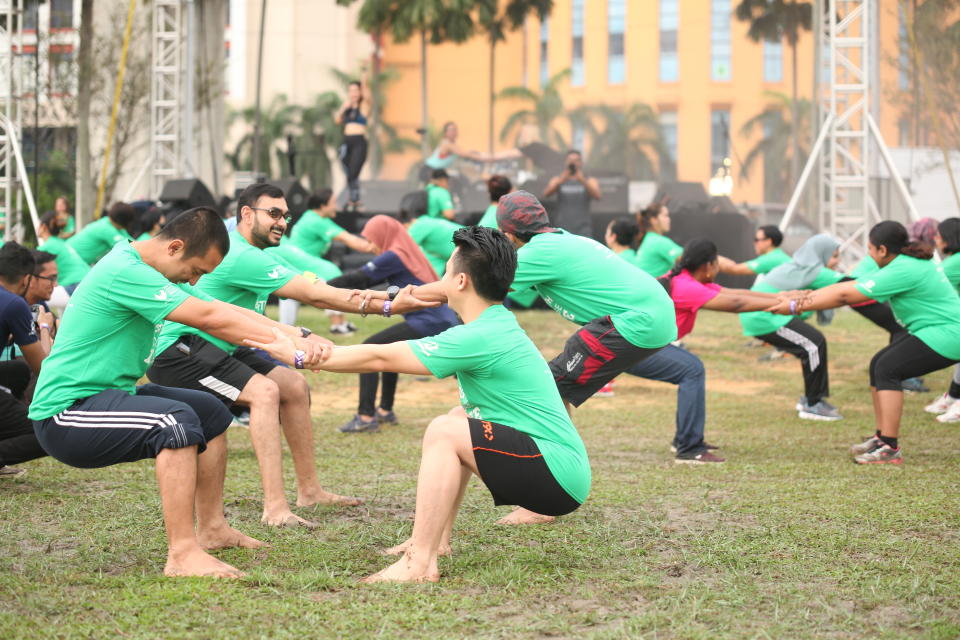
(276, 396)
(766, 242)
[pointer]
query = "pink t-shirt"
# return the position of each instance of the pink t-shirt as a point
(688, 296)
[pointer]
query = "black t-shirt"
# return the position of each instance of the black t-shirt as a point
(16, 321)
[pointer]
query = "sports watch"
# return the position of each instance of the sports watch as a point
(393, 291)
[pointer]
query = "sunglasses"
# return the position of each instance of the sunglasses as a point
(276, 214)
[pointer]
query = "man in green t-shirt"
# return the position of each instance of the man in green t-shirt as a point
(97, 238)
(434, 236)
(511, 429)
(766, 242)
(439, 200)
(88, 411)
(194, 359)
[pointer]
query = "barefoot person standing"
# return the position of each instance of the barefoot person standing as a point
(511, 429)
(88, 411)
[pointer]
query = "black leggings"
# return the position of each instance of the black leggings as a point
(18, 443)
(807, 343)
(353, 153)
(370, 381)
(880, 314)
(906, 357)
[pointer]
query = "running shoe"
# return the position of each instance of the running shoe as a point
(868, 445)
(342, 329)
(606, 391)
(941, 404)
(386, 418)
(823, 410)
(701, 458)
(706, 445)
(242, 420)
(884, 454)
(359, 425)
(914, 385)
(11, 472)
(950, 415)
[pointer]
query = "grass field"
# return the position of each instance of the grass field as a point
(789, 539)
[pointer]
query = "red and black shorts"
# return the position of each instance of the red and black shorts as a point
(592, 357)
(512, 467)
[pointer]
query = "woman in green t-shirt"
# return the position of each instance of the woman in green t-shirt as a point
(948, 243)
(656, 253)
(621, 238)
(925, 303)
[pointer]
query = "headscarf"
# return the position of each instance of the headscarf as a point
(923, 230)
(807, 262)
(390, 235)
(521, 213)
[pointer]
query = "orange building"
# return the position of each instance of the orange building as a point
(690, 60)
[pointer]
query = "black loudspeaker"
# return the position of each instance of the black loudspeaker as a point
(683, 197)
(378, 196)
(186, 194)
(615, 189)
(295, 195)
(732, 233)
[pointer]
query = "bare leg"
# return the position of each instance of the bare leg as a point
(298, 429)
(445, 548)
(446, 450)
(177, 479)
(213, 532)
(890, 407)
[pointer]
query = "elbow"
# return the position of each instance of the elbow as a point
(214, 321)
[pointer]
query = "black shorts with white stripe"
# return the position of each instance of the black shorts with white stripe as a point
(113, 426)
(195, 363)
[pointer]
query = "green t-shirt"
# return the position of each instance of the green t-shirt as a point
(69, 227)
(314, 234)
(864, 268)
(246, 277)
(108, 335)
(435, 238)
(951, 267)
(768, 261)
(299, 261)
(503, 378)
(760, 323)
(922, 299)
(657, 253)
(438, 201)
(71, 266)
(96, 239)
(583, 280)
(630, 256)
(489, 218)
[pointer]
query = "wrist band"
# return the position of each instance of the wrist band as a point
(363, 307)
(386, 308)
(45, 326)
(298, 357)
(793, 307)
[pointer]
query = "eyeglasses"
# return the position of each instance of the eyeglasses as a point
(759, 239)
(276, 213)
(52, 278)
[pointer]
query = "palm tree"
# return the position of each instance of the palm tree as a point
(543, 109)
(776, 124)
(772, 21)
(631, 140)
(276, 121)
(85, 194)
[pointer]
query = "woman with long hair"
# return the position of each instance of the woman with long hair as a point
(353, 150)
(399, 263)
(947, 241)
(924, 301)
(656, 253)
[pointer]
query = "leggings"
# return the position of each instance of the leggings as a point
(353, 153)
(807, 343)
(370, 381)
(18, 442)
(906, 357)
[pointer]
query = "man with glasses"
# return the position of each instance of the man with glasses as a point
(766, 242)
(275, 395)
(44, 284)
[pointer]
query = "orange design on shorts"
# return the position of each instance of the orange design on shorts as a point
(487, 430)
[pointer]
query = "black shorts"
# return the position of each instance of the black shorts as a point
(906, 357)
(512, 467)
(114, 426)
(592, 357)
(195, 363)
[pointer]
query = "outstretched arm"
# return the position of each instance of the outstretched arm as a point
(323, 296)
(836, 295)
(740, 301)
(729, 266)
(361, 358)
(354, 242)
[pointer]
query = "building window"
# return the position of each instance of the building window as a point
(719, 138)
(576, 67)
(61, 14)
(668, 129)
(904, 61)
(772, 61)
(720, 45)
(63, 74)
(616, 27)
(544, 51)
(669, 26)
(30, 9)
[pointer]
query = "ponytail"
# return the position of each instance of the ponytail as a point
(625, 231)
(696, 253)
(645, 219)
(894, 237)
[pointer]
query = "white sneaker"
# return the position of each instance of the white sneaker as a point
(950, 415)
(941, 404)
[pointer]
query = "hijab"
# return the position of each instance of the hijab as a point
(807, 263)
(923, 230)
(390, 235)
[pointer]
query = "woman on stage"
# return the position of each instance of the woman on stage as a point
(353, 151)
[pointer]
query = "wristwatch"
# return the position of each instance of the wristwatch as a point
(304, 332)
(298, 357)
(393, 291)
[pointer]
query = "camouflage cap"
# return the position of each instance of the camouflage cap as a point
(521, 213)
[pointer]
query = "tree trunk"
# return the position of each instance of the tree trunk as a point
(424, 112)
(493, 97)
(794, 121)
(256, 108)
(85, 196)
(376, 110)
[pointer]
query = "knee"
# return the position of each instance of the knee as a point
(695, 369)
(440, 429)
(262, 391)
(293, 387)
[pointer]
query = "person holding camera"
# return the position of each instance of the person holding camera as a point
(574, 191)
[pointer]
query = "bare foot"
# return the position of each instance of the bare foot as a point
(286, 519)
(443, 550)
(226, 536)
(525, 516)
(406, 570)
(326, 498)
(198, 563)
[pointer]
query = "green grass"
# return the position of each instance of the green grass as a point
(786, 540)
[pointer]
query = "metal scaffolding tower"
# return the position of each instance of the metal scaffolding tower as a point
(11, 46)
(842, 150)
(165, 94)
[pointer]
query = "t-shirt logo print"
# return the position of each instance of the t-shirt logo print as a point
(160, 295)
(276, 273)
(428, 346)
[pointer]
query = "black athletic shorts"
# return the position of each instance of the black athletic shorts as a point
(592, 357)
(113, 426)
(195, 363)
(512, 467)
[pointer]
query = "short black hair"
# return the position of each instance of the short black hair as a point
(199, 228)
(413, 205)
(625, 230)
(439, 173)
(249, 196)
(51, 221)
(949, 231)
(122, 214)
(574, 151)
(773, 233)
(147, 220)
(41, 258)
(16, 261)
(319, 198)
(498, 186)
(488, 257)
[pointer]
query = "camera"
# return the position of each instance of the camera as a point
(572, 167)
(35, 309)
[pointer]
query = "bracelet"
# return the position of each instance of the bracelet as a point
(386, 308)
(363, 307)
(298, 357)
(45, 326)
(793, 307)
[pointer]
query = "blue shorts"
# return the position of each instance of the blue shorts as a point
(114, 426)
